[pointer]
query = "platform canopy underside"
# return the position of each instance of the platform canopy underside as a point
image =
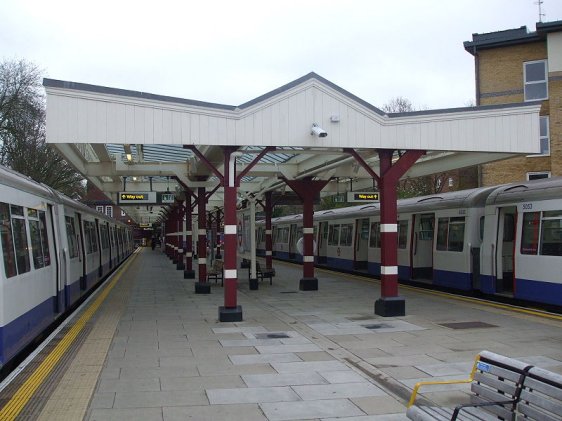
(131, 140)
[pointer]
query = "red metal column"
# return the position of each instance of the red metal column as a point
(218, 221)
(231, 311)
(390, 304)
(307, 189)
(188, 272)
(180, 260)
(268, 232)
(202, 287)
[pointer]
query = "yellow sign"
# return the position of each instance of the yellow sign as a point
(133, 196)
(363, 196)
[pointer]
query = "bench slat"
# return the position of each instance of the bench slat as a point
(545, 388)
(535, 414)
(495, 383)
(500, 410)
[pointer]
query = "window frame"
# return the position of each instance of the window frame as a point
(530, 173)
(525, 83)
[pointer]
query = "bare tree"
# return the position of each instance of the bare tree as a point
(398, 105)
(22, 130)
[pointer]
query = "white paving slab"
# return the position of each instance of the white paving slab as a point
(280, 411)
(279, 349)
(290, 379)
(239, 329)
(251, 395)
(349, 376)
(301, 367)
(447, 369)
(263, 358)
(341, 390)
(248, 342)
(385, 417)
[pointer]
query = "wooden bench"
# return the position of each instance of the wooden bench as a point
(496, 384)
(541, 396)
(216, 272)
(265, 273)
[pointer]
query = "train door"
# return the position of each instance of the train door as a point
(293, 241)
(361, 244)
(82, 244)
(504, 250)
(475, 257)
(323, 243)
(60, 266)
(100, 243)
(422, 246)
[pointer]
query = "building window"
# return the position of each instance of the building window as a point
(99, 209)
(109, 211)
(535, 74)
(545, 136)
(538, 175)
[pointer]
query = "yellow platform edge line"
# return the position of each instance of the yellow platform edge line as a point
(22, 396)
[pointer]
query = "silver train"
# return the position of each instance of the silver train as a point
(503, 241)
(54, 251)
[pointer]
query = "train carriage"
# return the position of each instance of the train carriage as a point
(522, 245)
(54, 250)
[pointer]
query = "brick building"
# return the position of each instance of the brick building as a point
(96, 199)
(518, 65)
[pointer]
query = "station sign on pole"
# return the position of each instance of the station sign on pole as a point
(145, 198)
(363, 196)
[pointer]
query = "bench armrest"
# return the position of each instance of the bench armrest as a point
(420, 384)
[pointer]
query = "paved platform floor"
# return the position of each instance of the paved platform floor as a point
(316, 355)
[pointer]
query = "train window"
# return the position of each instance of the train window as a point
(333, 235)
(530, 234)
(7, 241)
(71, 237)
(450, 234)
(44, 238)
(442, 233)
(402, 234)
(482, 219)
(427, 226)
(346, 237)
(35, 236)
(456, 234)
(375, 240)
(551, 233)
(104, 237)
(19, 232)
(90, 237)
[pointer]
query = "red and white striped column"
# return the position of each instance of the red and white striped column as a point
(231, 311)
(268, 231)
(202, 287)
(188, 272)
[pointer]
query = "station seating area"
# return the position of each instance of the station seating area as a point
(502, 388)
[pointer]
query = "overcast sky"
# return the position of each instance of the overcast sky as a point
(230, 52)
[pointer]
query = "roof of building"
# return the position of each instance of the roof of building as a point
(509, 37)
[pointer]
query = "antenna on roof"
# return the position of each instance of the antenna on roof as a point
(541, 14)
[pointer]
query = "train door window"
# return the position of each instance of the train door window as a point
(508, 227)
(427, 225)
(19, 233)
(530, 234)
(7, 241)
(35, 237)
(482, 220)
(375, 238)
(71, 237)
(346, 237)
(402, 234)
(334, 235)
(551, 233)
(44, 238)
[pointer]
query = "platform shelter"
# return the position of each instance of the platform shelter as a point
(307, 135)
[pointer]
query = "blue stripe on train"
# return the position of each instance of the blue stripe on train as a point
(544, 292)
(19, 332)
(450, 279)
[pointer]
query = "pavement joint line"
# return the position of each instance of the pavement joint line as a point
(22, 396)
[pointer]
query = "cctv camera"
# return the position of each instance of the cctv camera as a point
(318, 131)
